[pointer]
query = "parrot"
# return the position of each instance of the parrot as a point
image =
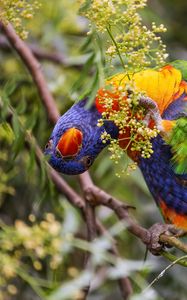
(76, 140)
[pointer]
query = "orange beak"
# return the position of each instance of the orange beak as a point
(70, 142)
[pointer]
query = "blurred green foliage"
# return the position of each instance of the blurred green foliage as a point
(28, 200)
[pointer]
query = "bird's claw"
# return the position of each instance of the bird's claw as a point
(152, 113)
(154, 244)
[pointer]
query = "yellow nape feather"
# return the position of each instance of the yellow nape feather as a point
(160, 85)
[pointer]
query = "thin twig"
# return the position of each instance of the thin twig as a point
(89, 211)
(182, 261)
(120, 208)
(183, 258)
(41, 54)
(86, 184)
(34, 68)
(90, 218)
(173, 241)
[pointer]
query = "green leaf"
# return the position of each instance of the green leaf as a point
(32, 161)
(87, 43)
(18, 144)
(9, 132)
(21, 108)
(182, 66)
(94, 88)
(84, 73)
(4, 107)
(16, 126)
(85, 6)
(31, 122)
(10, 87)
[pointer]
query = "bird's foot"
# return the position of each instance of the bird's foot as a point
(154, 244)
(152, 112)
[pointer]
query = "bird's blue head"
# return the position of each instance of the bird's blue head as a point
(76, 139)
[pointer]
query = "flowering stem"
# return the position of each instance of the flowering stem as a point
(117, 49)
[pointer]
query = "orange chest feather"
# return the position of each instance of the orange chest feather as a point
(170, 216)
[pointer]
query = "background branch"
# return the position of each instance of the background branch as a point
(35, 70)
(41, 54)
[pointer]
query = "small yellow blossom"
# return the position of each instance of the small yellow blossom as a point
(12, 289)
(136, 45)
(37, 265)
(73, 272)
(22, 228)
(17, 12)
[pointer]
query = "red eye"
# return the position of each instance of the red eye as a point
(70, 142)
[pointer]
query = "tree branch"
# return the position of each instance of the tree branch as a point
(41, 54)
(173, 241)
(100, 197)
(35, 70)
(120, 208)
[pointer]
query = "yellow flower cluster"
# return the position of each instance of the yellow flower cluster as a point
(136, 45)
(16, 12)
(120, 104)
(36, 242)
(113, 12)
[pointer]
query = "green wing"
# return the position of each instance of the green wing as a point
(181, 65)
(178, 138)
(178, 143)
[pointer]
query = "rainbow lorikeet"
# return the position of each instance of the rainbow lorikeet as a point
(76, 139)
